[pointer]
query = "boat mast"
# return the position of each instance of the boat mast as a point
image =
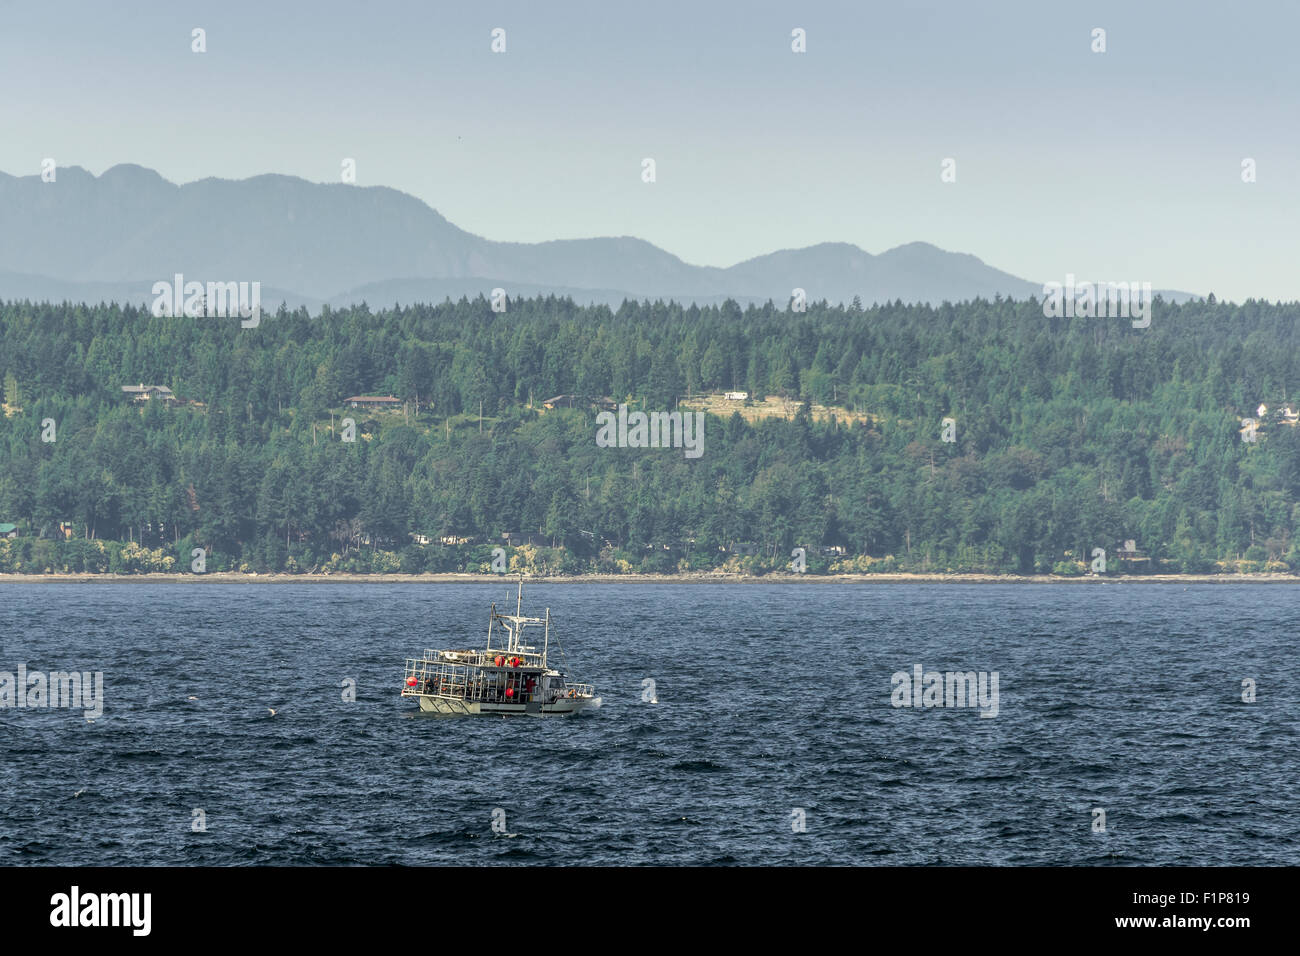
(546, 641)
(517, 631)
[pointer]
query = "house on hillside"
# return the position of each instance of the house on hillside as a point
(1128, 551)
(515, 539)
(457, 539)
(8, 530)
(373, 402)
(736, 396)
(1267, 416)
(580, 401)
(139, 394)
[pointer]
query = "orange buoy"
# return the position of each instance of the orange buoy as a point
(499, 660)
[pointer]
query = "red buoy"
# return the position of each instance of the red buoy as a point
(514, 662)
(499, 660)
(411, 682)
(510, 692)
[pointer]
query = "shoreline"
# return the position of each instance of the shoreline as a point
(234, 577)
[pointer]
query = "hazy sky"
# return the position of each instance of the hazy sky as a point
(1117, 165)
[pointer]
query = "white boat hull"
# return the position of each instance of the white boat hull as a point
(455, 706)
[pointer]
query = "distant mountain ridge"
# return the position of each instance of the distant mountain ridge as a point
(110, 237)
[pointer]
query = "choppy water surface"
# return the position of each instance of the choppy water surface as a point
(771, 698)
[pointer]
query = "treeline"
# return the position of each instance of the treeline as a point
(1070, 435)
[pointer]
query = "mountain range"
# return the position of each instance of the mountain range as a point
(111, 237)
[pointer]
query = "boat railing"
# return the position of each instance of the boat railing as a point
(464, 681)
(527, 657)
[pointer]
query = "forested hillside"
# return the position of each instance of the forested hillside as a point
(1070, 435)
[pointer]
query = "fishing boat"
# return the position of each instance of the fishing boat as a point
(508, 676)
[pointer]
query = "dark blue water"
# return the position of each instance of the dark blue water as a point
(771, 699)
